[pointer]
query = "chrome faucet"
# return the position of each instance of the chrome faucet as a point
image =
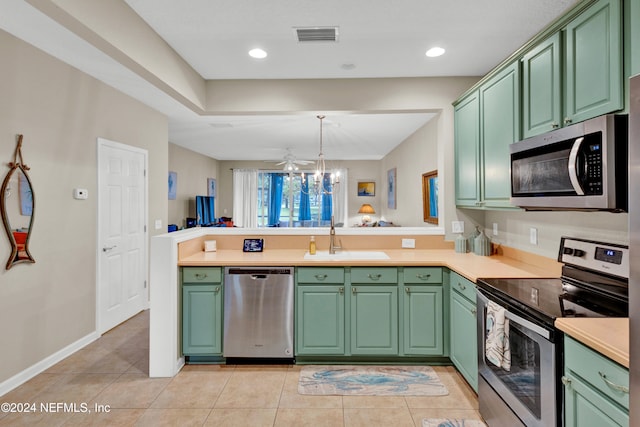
(332, 238)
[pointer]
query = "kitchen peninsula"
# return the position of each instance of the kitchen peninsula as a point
(287, 248)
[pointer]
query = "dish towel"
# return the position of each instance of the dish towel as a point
(497, 349)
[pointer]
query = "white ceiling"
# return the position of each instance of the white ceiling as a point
(376, 39)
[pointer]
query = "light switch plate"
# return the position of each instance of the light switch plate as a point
(158, 224)
(533, 236)
(409, 243)
(495, 228)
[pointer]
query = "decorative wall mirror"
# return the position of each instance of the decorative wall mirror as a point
(17, 205)
(430, 196)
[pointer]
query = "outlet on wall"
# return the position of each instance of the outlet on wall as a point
(495, 228)
(457, 226)
(409, 243)
(533, 236)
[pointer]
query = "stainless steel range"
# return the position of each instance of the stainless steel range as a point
(520, 357)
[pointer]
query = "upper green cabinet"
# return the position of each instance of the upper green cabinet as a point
(589, 81)
(541, 88)
(467, 150)
(499, 127)
(486, 122)
(593, 61)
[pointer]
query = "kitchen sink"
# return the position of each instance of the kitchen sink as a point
(346, 256)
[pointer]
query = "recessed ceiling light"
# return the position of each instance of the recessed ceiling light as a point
(435, 51)
(257, 53)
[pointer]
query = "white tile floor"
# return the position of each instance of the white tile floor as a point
(113, 372)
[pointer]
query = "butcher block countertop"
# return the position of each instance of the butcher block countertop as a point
(608, 336)
(469, 265)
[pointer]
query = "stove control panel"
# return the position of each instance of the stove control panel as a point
(608, 258)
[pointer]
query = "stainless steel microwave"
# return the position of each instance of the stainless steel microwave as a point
(579, 167)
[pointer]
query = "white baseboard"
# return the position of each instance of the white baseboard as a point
(41, 366)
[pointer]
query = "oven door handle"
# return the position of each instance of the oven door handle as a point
(484, 300)
(573, 166)
(529, 325)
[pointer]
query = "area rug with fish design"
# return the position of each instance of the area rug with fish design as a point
(451, 422)
(370, 381)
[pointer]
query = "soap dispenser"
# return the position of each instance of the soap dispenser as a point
(312, 245)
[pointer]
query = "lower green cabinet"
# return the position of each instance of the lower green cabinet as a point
(201, 311)
(463, 340)
(374, 320)
(596, 389)
(369, 311)
(320, 321)
(423, 320)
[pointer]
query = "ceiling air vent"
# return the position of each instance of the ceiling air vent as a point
(317, 34)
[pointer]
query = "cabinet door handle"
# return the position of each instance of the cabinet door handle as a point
(566, 381)
(200, 276)
(341, 290)
(423, 276)
(554, 125)
(353, 291)
(216, 290)
(461, 286)
(473, 311)
(407, 290)
(374, 276)
(320, 276)
(567, 120)
(613, 385)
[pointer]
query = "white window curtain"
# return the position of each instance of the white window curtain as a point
(245, 198)
(340, 199)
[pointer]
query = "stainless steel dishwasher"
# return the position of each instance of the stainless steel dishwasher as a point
(258, 312)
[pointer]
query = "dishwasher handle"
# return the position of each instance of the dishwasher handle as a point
(258, 276)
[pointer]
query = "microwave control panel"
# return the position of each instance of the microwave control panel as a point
(593, 169)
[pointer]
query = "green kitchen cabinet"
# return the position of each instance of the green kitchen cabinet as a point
(374, 310)
(577, 73)
(423, 320)
(374, 319)
(594, 62)
(464, 342)
(486, 122)
(467, 150)
(320, 311)
(541, 87)
(499, 128)
(202, 311)
(596, 388)
(320, 321)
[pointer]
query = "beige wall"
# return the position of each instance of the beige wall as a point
(418, 154)
(192, 170)
(49, 305)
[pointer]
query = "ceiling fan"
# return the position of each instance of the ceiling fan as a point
(289, 162)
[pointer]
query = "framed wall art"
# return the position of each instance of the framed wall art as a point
(366, 188)
(391, 188)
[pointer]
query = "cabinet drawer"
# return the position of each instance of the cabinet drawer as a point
(602, 373)
(201, 275)
(374, 275)
(423, 275)
(463, 286)
(320, 275)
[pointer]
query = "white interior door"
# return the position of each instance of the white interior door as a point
(122, 236)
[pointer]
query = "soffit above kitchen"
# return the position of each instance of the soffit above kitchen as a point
(374, 40)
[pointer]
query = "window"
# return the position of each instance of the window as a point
(285, 201)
